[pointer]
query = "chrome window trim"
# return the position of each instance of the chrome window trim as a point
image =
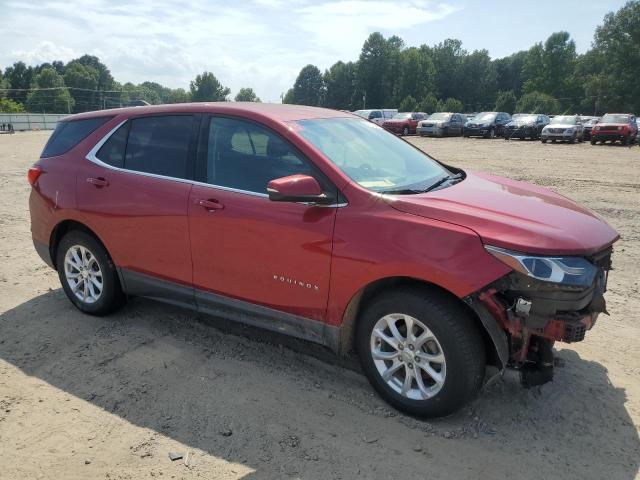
(92, 157)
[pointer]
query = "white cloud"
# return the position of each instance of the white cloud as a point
(262, 43)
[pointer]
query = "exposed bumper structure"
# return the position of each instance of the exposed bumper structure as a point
(529, 315)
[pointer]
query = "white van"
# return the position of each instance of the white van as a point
(377, 115)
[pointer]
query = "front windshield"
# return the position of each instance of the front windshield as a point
(371, 156)
(439, 116)
(565, 119)
(362, 113)
(615, 119)
(484, 117)
(524, 118)
(402, 116)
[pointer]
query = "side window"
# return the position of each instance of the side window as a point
(112, 152)
(375, 114)
(159, 145)
(68, 134)
(247, 156)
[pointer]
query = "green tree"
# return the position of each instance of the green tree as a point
(19, 77)
(538, 102)
(428, 104)
(451, 105)
(83, 82)
(9, 106)
(509, 74)
(416, 74)
(448, 57)
(288, 97)
(618, 41)
(506, 102)
(550, 69)
(377, 69)
(479, 80)
(339, 82)
(308, 88)
(247, 95)
(207, 88)
(49, 95)
(408, 104)
(178, 95)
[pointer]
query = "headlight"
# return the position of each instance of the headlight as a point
(440, 124)
(566, 270)
(545, 129)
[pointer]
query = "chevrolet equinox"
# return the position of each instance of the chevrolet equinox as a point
(321, 225)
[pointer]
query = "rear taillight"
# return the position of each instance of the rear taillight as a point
(33, 174)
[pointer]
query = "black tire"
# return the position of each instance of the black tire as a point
(593, 141)
(455, 331)
(111, 297)
(490, 134)
(626, 141)
(543, 140)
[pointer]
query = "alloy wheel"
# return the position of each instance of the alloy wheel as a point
(83, 274)
(408, 356)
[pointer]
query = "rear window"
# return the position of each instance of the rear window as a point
(68, 134)
(159, 145)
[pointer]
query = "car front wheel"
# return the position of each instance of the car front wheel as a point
(87, 274)
(421, 351)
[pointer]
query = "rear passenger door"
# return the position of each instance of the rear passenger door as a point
(245, 247)
(134, 191)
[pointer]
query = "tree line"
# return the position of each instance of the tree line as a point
(550, 77)
(86, 84)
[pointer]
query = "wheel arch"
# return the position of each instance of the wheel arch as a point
(367, 293)
(65, 226)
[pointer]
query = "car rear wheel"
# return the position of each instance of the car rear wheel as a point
(421, 351)
(87, 274)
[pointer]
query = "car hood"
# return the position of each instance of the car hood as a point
(513, 215)
(521, 124)
(561, 125)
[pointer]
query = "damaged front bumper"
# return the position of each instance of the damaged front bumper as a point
(525, 316)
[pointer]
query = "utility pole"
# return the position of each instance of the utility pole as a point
(364, 100)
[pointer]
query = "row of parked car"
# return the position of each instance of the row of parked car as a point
(622, 127)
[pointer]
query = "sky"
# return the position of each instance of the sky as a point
(263, 44)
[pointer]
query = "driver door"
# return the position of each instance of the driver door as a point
(246, 248)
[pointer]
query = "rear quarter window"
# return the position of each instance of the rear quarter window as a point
(69, 133)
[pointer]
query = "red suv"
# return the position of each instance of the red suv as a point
(614, 127)
(321, 225)
(404, 123)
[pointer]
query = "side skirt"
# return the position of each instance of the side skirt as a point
(148, 286)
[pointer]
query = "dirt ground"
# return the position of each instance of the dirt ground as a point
(84, 397)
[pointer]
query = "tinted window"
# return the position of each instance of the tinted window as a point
(246, 156)
(112, 152)
(68, 134)
(159, 145)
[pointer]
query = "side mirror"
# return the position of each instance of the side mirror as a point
(297, 188)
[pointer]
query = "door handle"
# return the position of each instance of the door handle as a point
(210, 204)
(98, 182)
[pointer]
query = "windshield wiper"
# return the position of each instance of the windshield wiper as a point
(443, 180)
(401, 191)
(413, 191)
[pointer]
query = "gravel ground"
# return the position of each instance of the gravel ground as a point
(84, 397)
